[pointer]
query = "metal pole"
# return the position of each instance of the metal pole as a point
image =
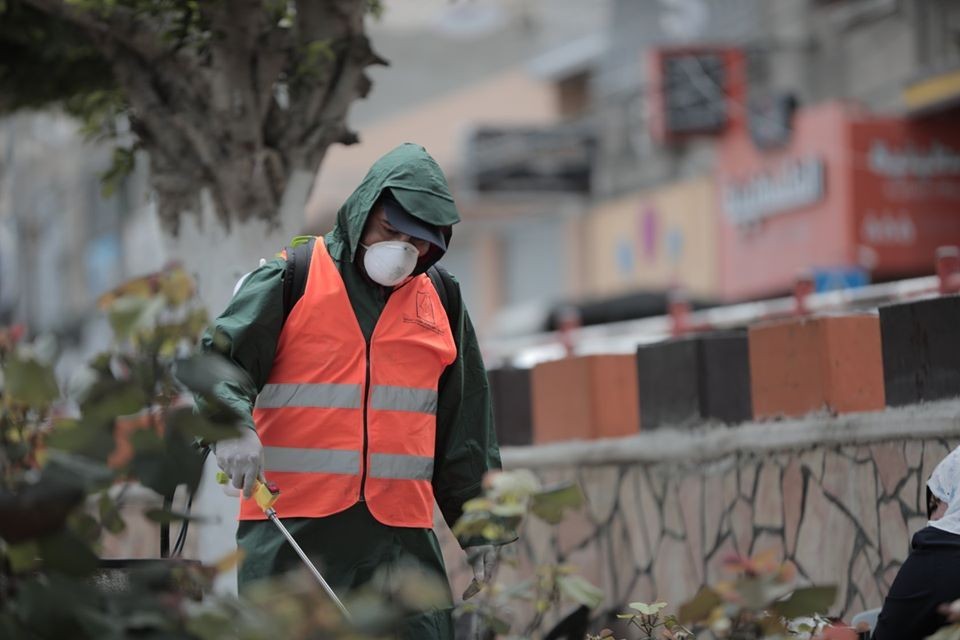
(316, 574)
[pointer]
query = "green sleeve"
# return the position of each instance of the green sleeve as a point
(246, 333)
(466, 441)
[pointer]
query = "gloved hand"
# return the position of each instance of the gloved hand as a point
(483, 558)
(241, 459)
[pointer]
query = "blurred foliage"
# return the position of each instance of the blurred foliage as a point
(67, 458)
(46, 61)
(499, 517)
(761, 602)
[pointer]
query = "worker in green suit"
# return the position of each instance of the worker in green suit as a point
(350, 497)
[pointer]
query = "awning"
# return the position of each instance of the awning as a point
(933, 93)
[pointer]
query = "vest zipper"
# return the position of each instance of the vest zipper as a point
(366, 395)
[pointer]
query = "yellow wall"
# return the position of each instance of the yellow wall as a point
(509, 98)
(653, 239)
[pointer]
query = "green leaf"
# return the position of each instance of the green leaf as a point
(177, 286)
(132, 314)
(30, 383)
(85, 526)
(109, 514)
(477, 505)
(550, 505)
(77, 471)
(37, 509)
(125, 314)
(757, 593)
(101, 626)
(203, 372)
(519, 483)
(124, 160)
(579, 589)
(314, 57)
(470, 524)
(82, 438)
(66, 553)
(146, 441)
(110, 399)
(700, 606)
(508, 509)
(24, 556)
(146, 620)
(497, 624)
(648, 609)
(48, 605)
(375, 7)
(209, 625)
(194, 425)
(176, 462)
(9, 627)
(806, 601)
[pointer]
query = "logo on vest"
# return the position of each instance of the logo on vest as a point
(426, 316)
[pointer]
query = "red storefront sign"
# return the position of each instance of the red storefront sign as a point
(848, 189)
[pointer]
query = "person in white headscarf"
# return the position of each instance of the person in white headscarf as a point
(943, 508)
(930, 576)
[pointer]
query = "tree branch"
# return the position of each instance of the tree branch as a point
(204, 106)
(120, 24)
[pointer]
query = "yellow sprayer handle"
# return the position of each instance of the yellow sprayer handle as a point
(262, 493)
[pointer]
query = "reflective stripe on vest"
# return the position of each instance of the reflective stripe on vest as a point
(311, 460)
(310, 414)
(389, 398)
(401, 466)
(382, 465)
(343, 396)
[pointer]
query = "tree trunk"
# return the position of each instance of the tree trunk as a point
(218, 258)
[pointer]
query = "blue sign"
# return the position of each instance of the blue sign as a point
(837, 278)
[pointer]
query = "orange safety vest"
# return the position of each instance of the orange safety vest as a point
(342, 421)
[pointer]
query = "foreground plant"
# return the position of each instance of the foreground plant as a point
(761, 601)
(648, 618)
(499, 517)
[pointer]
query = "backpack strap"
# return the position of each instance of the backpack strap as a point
(440, 284)
(443, 283)
(295, 274)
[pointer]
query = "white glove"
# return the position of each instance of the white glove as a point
(483, 558)
(241, 459)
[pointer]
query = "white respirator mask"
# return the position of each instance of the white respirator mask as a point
(390, 262)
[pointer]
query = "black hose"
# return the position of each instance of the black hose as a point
(185, 525)
(165, 530)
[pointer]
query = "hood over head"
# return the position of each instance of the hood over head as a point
(416, 181)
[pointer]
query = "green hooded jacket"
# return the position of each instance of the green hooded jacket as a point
(248, 330)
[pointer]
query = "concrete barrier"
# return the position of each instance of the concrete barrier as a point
(691, 380)
(804, 365)
(921, 350)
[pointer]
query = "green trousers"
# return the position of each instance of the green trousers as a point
(348, 548)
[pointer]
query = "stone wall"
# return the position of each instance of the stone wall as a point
(839, 496)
